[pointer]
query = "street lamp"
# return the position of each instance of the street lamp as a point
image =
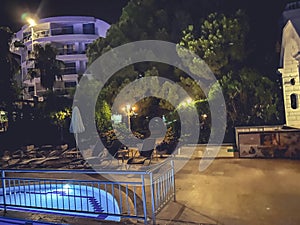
(130, 111)
(32, 23)
(203, 120)
(185, 103)
(204, 116)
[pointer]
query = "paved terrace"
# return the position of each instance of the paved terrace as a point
(231, 191)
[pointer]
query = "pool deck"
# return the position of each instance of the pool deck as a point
(236, 192)
(229, 192)
(14, 221)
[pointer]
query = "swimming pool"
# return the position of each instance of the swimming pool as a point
(62, 198)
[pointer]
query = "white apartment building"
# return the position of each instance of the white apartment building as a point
(70, 35)
(290, 62)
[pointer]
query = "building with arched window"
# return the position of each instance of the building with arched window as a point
(280, 141)
(289, 63)
(70, 36)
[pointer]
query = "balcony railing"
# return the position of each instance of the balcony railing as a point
(55, 32)
(68, 70)
(66, 51)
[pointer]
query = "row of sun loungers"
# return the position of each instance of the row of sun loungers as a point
(49, 156)
(40, 157)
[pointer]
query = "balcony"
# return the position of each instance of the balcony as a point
(65, 30)
(55, 32)
(64, 51)
(36, 34)
(72, 57)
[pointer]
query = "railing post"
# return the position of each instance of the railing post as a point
(4, 189)
(152, 198)
(144, 198)
(173, 179)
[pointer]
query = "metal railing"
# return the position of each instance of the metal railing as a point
(132, 194)
(42, 33)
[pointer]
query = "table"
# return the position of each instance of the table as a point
(124, 153)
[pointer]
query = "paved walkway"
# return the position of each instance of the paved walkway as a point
(236, 192)
(13, 221)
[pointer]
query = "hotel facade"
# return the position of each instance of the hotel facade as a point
(70, 36)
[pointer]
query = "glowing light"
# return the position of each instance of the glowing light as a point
(31, 21)
(66, 186)
(29, 18)
(128, 108)
(24, 16)
(189, 101)
(67, 189)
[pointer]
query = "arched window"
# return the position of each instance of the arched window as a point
(294, 101)
(292, 81)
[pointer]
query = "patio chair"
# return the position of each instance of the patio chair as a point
(106, 154)
(165, 149)
(122, 154)
(6, 158)
(145, 153)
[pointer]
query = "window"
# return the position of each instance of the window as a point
(86, 45)
(292, 81)
(84, 48)
(70, 48)
(31, 89)
(70, 68)
(62, 29)
(89, 28)
(70, 84)
(294, 101)
(67, 30)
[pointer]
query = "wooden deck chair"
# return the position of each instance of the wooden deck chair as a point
(145, 153)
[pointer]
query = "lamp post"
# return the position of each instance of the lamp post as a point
(130, 111)
(32, 23)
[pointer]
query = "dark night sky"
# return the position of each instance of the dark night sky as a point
(263, 11)
(12, 10)
(264, 15)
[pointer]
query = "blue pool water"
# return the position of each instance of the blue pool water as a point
(64, 199)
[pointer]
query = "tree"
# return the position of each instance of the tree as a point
(103, 116)
(250, 97)
(9, 90)
(152, 20)
(47, 67)
(221, 42)
(60, 119)
(143, 20)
